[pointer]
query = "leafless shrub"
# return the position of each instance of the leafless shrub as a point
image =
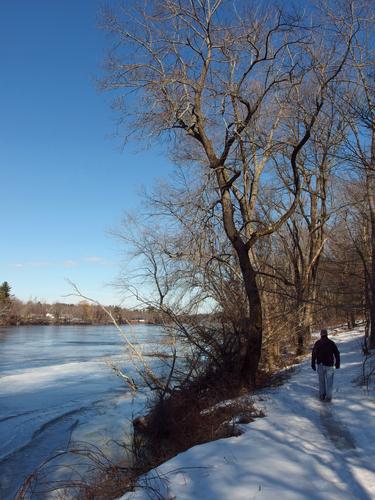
(200, 412)
(86, 473)
(195, 415)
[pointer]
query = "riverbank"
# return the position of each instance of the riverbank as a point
(303, 448)
(74, 321)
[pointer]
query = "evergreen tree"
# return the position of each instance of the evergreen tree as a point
(5, 292)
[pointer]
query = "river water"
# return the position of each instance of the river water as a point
(56, 386)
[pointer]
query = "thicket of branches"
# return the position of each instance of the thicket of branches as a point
(267, 229)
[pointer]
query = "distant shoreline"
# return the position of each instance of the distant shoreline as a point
(41, 322)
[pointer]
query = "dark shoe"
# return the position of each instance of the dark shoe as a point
(328, 400)
(322, 398)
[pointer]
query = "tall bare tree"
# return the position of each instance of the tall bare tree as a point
(360, 113)
(347, 259)
(225, 77)
(304, 235)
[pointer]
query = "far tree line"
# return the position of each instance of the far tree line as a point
(16, 312)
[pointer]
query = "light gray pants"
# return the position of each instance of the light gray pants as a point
(325, 374)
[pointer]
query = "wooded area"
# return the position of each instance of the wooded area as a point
(269, 221)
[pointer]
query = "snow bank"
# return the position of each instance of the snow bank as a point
(303, 448)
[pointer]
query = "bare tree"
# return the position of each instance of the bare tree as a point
(304, 235)
(225, 77)
(188, 268)
(346, 261)
(359, 108)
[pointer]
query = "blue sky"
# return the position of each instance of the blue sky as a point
(64, 178)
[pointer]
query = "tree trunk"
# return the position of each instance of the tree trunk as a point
(367, 309)
(254, 323)
(371, 197)
(271, 340)
(251, 347)
(372, 308)
(304, 328)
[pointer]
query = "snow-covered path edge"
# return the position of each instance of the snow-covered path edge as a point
(303, 448)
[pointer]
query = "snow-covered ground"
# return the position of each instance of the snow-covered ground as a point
(302, 449)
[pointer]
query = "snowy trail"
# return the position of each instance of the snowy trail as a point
(302, 449)
(336, 430)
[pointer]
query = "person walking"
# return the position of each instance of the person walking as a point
(325, 354)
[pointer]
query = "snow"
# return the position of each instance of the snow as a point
(302, 449)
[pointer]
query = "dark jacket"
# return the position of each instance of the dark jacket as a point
(325, 352)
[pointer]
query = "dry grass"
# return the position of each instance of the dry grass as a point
(192, 416)
(85, 472)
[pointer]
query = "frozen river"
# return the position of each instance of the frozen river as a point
(56, 386)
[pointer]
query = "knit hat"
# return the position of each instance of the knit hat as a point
(323, 332)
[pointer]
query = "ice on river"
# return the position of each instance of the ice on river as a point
(56, 386)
